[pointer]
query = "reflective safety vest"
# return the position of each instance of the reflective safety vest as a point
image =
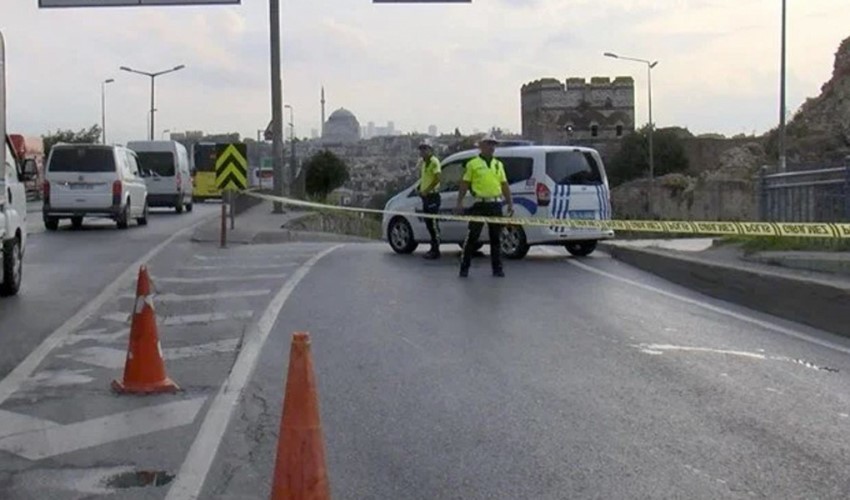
(485, 179)
(428, 172)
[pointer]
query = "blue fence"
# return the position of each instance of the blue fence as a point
(807, 196)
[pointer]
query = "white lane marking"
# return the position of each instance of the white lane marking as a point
(661, 348)
(241, 258)
(667, 347)
(12, 382)
(174, 297)
(239, 266)
(190, 479)
(215, 279)
(99, 337)
(186, 319)
(57, 378)
(108, 357)
(12, 423)
(402, 337)
(742, 317)
(57, 439)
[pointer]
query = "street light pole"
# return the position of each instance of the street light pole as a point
(103, 107)
(649, 66)
(152, 76)
(782, 137)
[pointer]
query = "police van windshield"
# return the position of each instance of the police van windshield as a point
(82, 159)
(572, 167)
(158, 163)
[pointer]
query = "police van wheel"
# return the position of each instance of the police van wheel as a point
(514, 244)
(580, 248)
(400, 236)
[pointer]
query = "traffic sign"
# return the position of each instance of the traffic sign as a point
(231, 166)
(46, 4)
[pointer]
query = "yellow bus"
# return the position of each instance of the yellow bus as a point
(203, 171)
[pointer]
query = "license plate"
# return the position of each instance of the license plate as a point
(582, 214)
(81, 186)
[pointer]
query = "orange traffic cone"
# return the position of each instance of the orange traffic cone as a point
(300, 472)
(144, 370)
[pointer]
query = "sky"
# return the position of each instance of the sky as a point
(449, 65)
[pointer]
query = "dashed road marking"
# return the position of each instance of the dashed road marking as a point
(114, 359)
(186, 319)
(216, 279)
(174, 297)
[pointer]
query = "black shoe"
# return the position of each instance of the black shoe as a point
(431, 255)
(498, 273)
(463, 273)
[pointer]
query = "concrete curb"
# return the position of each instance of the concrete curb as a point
(816, 303)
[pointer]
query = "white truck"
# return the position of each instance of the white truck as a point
(13, 201)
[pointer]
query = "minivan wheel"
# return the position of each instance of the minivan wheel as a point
(123, 220)
(514, 244)
(13, 267)
(51, 223)
(143, 220)
(580, 248)
(179, 206)
(190, 206)
(400, 236)
(76, 222)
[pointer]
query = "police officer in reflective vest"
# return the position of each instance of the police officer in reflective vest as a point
(485, 177)
(429, 190)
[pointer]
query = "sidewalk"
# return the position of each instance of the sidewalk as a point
(259, 225)
(819, 299)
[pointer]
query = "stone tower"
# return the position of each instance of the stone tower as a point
(558, 113)
(323, 110)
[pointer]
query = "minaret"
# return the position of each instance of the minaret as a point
(323, 110)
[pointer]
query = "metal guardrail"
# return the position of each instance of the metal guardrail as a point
(805, 196)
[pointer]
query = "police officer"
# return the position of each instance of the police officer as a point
(485, 176)
(429, 190)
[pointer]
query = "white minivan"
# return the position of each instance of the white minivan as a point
(547, 182)
(91, 180)
(167, 173)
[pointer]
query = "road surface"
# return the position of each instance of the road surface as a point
(570, 378)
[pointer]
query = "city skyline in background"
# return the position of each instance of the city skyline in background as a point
(718, 68)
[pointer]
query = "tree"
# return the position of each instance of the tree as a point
(83, 136)
(325, 172)
(632, 160)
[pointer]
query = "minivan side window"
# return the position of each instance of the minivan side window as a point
(450, 175)
(572, 167)
(132, 164)
(518, 169)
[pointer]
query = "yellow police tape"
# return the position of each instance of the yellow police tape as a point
(783, 229)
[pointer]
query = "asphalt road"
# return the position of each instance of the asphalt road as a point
(556, 382)
(570, 378)
(65, 269)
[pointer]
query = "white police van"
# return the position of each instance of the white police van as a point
(547, 182)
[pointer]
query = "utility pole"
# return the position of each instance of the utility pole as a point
(277, 103)
(783, 159)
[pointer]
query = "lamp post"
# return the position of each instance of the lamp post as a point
(649, 66)
(166, 131)
(103, 106)
(292, 171)
(152, 76)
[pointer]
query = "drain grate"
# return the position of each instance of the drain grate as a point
(139, 479)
